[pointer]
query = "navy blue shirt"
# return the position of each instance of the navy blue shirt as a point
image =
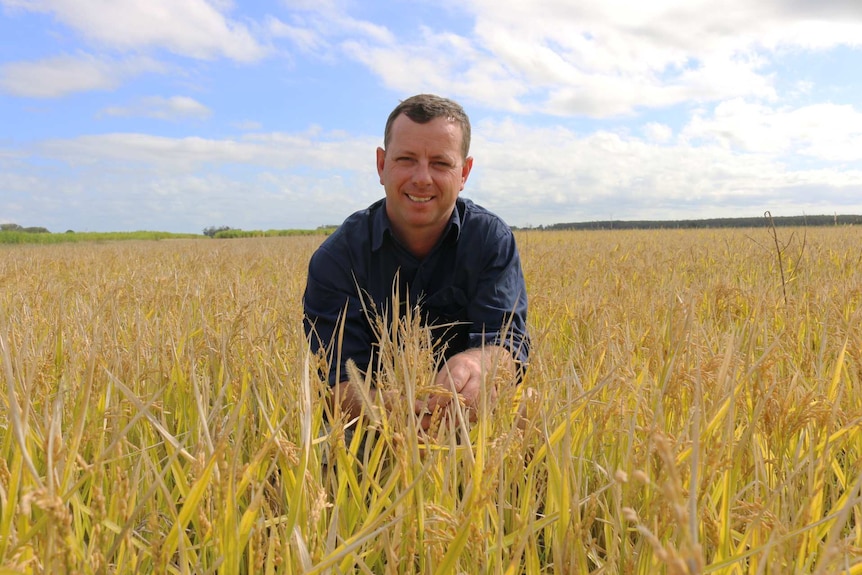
(470, 287)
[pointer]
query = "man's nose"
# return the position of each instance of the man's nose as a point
(422, 173)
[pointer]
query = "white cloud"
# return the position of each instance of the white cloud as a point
(192, 28)
(306, 39)
(173, 108)
(558, 175)
(443, 63)
(330, 18)
(318, 27)
(164, 155)
(738, 133)
(608, 58)
(63, 75)
(657, 132)
(573, 73)
(554, 174)
(824, 131)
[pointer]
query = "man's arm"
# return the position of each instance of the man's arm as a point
(334, 316)
(498, 311)
(498, 340)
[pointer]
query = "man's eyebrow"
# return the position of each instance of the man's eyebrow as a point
(443, 156)
(436, 157)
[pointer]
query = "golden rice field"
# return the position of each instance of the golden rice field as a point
(689, 411)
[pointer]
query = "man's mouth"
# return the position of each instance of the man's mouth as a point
(419, 200)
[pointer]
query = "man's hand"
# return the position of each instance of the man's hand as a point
(462, 374)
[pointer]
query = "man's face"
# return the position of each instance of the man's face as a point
(423, 172)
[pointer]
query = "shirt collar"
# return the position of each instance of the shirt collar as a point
(381, 226)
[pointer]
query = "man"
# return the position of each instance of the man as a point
(454, 260)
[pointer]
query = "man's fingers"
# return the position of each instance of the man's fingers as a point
(430, 405)
(427, 410)
(454, 377)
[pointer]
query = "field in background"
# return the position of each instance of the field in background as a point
(693, 411)
(22, 237)
(29, 237)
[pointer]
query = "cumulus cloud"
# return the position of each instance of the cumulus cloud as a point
(824, 131)
(260, 180)
(68, 74)
(172, 108)
(317, 28)
(609, 58)
(597, 59)
(554, 174)
(657, 132)
(658, 54)
(194, 28)
(163, 154)
(734, 136)
(558, 175)
(443, 63)
(305, 38)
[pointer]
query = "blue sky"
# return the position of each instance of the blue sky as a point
(176, 115)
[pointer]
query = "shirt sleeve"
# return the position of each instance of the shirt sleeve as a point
(334, 319)
(498, 312)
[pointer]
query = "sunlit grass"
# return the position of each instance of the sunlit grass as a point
(160, 414)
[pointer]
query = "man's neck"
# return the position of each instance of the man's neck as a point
(420, 242)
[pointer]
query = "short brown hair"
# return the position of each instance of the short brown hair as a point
(423, 108)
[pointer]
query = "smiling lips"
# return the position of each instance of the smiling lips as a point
(419, 200)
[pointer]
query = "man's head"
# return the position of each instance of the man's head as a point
(423, 168)
(423, 108)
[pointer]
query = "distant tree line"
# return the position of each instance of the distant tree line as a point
(784, 221)
(17, 228)
(226, 232)
(211, 231)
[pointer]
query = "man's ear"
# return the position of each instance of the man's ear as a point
(465, 170)
(381, 157)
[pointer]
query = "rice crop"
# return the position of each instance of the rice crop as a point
(689, 408)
